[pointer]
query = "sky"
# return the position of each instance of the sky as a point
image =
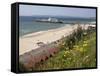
(33, 10)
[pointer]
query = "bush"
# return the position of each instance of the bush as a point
(74, 37)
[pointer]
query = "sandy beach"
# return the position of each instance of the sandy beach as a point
(29, 42)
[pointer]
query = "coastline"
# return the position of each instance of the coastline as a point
(29, 42)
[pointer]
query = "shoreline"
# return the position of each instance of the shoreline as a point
(43, 31)
(29, 42)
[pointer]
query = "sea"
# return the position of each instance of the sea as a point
(28, 25)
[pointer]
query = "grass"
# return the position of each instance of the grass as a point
(82, 55)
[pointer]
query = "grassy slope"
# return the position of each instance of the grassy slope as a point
(81, 56)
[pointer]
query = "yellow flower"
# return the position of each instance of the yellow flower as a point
(66, 52)
(76, 46)
(81, 49)
(85, 41)
(64, 55)
(84, 45)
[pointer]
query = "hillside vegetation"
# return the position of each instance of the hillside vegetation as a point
(76, 51)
